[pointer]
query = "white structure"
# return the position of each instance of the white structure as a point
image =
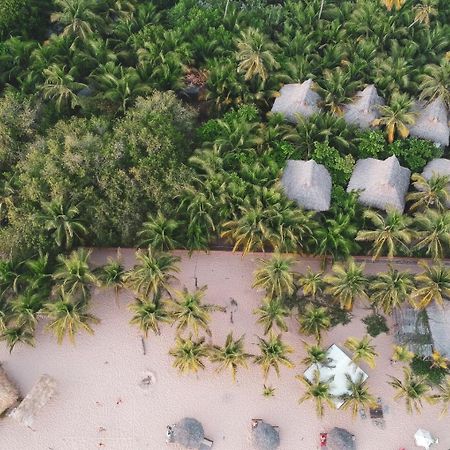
(364, 109)
(297, 98)
(383, 184)
(438, 166)
(308, 184)
(431, 123)
(340, 365)
(424, 439)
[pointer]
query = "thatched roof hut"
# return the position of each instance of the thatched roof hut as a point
(308, 184)
(36, 399)
(432, 123)
(265, 436)
(440, 167)
(364, 109)
(297, 98)
(8, 392)
(340, 439)
(383, 184)
(187, 432)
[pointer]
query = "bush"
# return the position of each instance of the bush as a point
(372, 144)
(376, 324)
(422, 366)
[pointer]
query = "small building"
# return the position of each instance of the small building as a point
(364, 109)
(431, 122)
(382, 184)
(297, 98)
(340, 439)
(9, 394)
(439, 167)
(308, 184)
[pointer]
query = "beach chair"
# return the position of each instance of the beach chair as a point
(206, 444)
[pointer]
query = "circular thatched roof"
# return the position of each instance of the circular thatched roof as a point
(340, 439)
(8, 392)
(265, 436)
(188, 432)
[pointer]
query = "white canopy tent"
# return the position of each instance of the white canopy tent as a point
(424, 439)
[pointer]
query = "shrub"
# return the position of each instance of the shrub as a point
(376, 324)
(372, 144)
(422, 366)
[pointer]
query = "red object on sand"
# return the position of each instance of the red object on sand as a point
(323, 439)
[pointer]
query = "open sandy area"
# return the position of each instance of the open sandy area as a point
(101, 404)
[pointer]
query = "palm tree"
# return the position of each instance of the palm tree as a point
(435, 82)
(314, 321)
(73, 274)
(188, 354)
(9, 277)
(414, 389)
(358, 395)
(25, 309)
(363, 350)
(231, 355)
(189, 311)
(432, 193)
(38, 276)
(397, 4)
(112, 275)
(391, 289)
(148, 313)
(312, 283)
(62, 222)
(272, 312)
(152, 273)
(444, 395)
(68, 316)
(273, 354)
(255, 53)
(15, 335)
(159, 232)
(316, 355)
(276, 276)
(347, 283)
(391, 233)
(396, 117)
(424, 11)
(434, 233)
(432, 284)
(438, 361)
(402, 354)
(319, 391)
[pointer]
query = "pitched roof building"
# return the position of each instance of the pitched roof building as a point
(440, 167)
(364, 108)
(383, 184)
(308, 184)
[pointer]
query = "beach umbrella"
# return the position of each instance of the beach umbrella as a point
(8, 392)
(187, 432)
(340, 439)
(423, 438)
(265, 436)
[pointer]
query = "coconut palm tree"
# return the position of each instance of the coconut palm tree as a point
(432, 193)
(148, 313)
(270, 313)
(391, 234)
(363, 350)
(358, 395)
(319, 391)
(276, 276)
(17, 334)
(25, 309)
(444, 395)
(424, 10)
(112, 275)
(435, 82)
(397, 4)
(273, 354)
(347, 283)
(153, 272)
(188, 311)
(402, 354)
(312, 283)
(391, 289)
(68, 316)
(433, 233)
(316, 355)
(396, 117)
(255, 54)
(37, 276)
(438, 361)
(189, 354)
(413, 389)
(159, 232)
(433, 284)
(314, 320)
(231, 356)
(9, 277)
(63, 222)
(73, 274)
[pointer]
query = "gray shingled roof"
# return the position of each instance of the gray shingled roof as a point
(188, 432)
(340, 439)
(438, 166)
(383, 183)
(308, 184)
(265, 436)
(296, 99)
(364, 108)
(431, 122)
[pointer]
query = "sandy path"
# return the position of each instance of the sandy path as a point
(101, 405)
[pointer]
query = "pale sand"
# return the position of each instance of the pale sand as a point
(101, 405)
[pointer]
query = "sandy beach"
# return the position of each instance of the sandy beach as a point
(102, 402)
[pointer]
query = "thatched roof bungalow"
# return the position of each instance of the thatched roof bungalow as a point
(439, 167)
(340, 439)
(265, 436)
(297, 98)
(383, 184)
(9, 394)
(36, 399)
(364, 109)
(308, 184)
(188, 433)
(432, 123)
